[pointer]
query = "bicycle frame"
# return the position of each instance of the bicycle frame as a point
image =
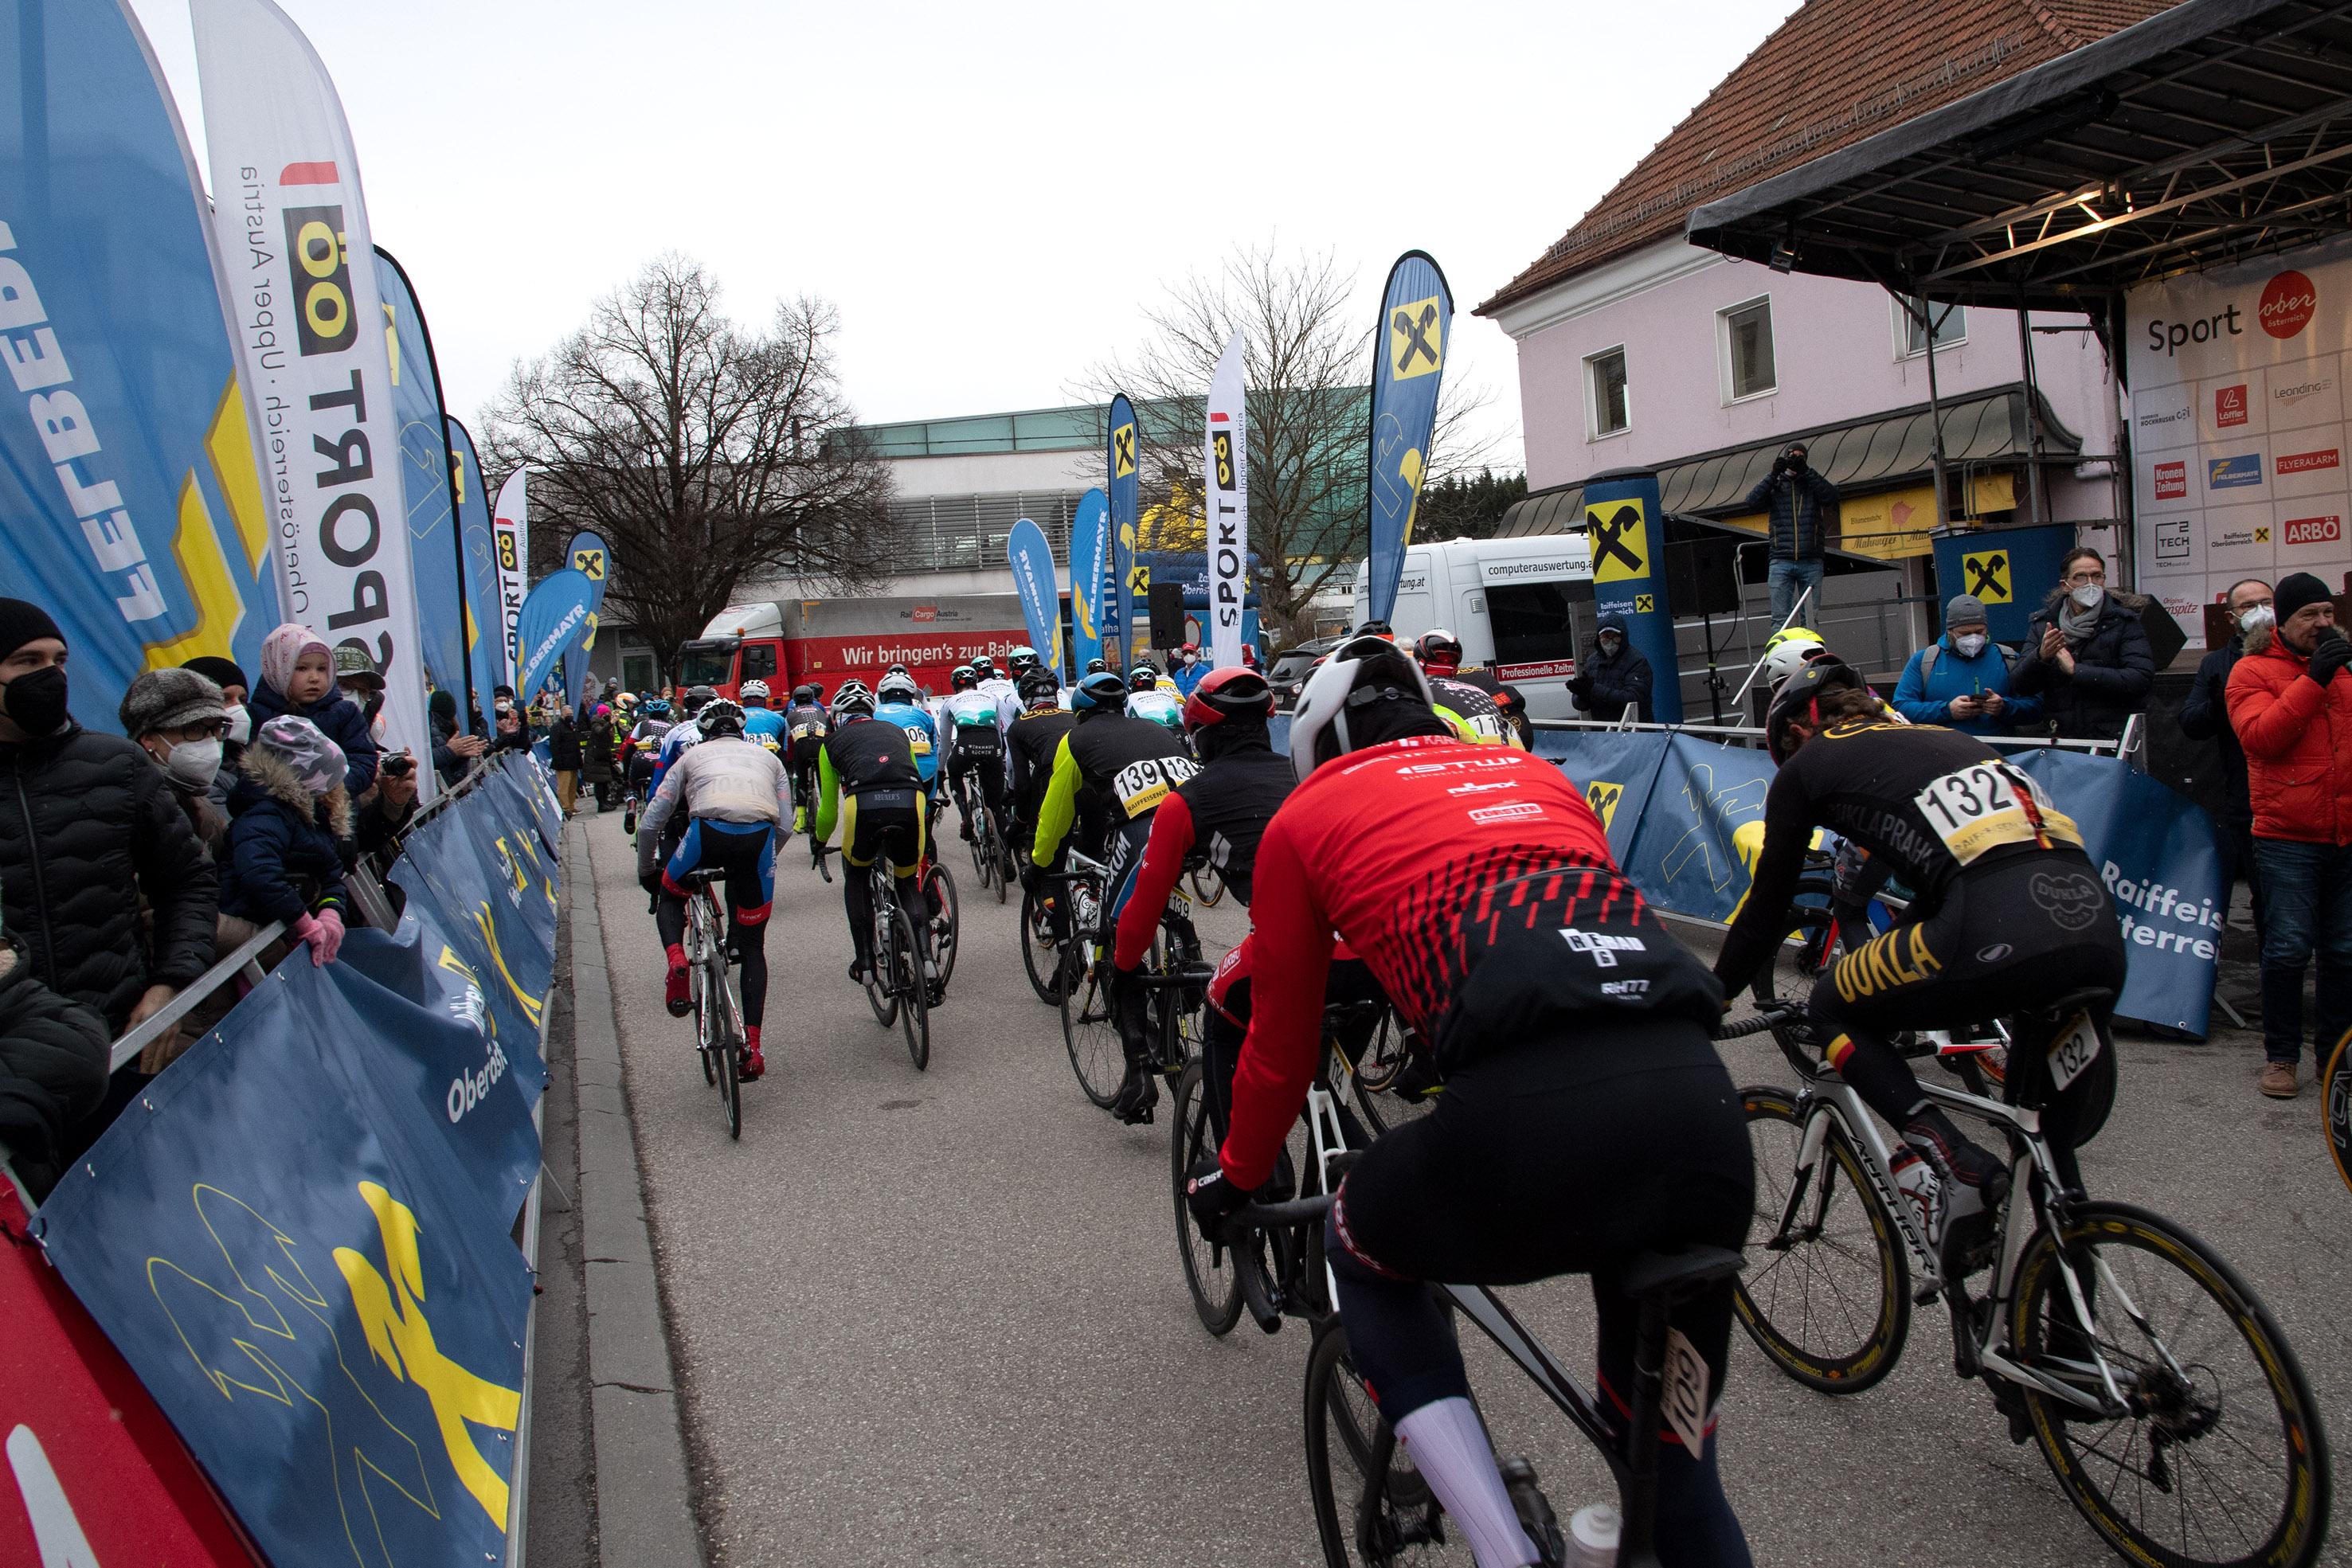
(706, 948)
(1824, 1098)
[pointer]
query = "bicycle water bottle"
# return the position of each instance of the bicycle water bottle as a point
(1592, 1537)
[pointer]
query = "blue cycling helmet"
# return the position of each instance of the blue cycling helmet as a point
(1103, 689)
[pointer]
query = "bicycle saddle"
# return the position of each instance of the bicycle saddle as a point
(1678, 1273)
(2097, 998)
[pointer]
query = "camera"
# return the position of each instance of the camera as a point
(399, 766)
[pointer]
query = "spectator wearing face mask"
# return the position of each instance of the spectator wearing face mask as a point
(2205, 716)
(1186, 669)
(2087, 655)
(88, 826)
(1613, 676)
(177, 718)
(1797, 505)
(285, 854)
(298, 678)
(230, 678)
(453, 752)
(358, 679)
(1961, 679)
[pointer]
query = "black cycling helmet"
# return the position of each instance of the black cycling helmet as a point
(805, 693)
(719, 716)
(984, 667)
(1143, 679)
(1096, 666)
(694, 697)
(1102, 692)
(1039, 686)
(1438, 647)
(963, 679)
(1798, 699)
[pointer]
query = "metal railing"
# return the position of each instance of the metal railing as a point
(2129, 746)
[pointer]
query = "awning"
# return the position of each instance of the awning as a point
(1895, 448)
(2214, 131)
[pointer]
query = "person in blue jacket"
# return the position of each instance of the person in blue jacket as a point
(1961, 679)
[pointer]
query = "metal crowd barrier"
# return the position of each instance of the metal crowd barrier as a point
(2130, 747)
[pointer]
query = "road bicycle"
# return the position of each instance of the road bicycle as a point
(719, 1037)
(1174, 983)
(939, 896)
(2162, 1394)
(2335, 1105)
(991, 861)
(895, 986)
(1089, 1032)
(1208, 886)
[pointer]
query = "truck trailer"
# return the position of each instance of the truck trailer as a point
(829, 641)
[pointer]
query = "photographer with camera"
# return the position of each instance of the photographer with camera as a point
(2291, 706)
(1797, 505)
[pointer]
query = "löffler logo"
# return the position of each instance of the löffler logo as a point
(2288, 303)
(2230, 405)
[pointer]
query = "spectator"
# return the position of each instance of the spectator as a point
(2205, 716)
(358, 678)
(2086, 655)
(53, 1055)
(1962, 679)
(1613, 676)
(453, 752)
(225, 674)
(564, 756)
(2291, 706)
(1797, 505)
(596, 755)
(177, 718)
(384, 810)
(513, 734)
(298, 678)
(87, 826)
(285, 857)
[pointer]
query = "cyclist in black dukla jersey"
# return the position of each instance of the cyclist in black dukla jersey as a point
(2006, 913)
(867, 776)
(1033, 741)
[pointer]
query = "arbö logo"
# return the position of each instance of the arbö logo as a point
(467, 1090)
(2289, 300)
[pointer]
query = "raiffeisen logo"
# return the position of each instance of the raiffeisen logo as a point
(2288, 303)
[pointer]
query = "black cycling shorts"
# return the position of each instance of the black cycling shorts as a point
(883, 821)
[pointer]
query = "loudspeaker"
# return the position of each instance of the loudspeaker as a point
(2165, 637)
(1167, 614)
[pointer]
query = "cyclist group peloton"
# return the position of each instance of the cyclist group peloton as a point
(1410, 847)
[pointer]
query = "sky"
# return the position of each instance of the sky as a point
(991, 196)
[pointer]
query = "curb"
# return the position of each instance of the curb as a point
(643, 1502)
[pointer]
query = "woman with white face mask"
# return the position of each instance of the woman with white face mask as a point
(1962, 680)
(2205, 716)
(177, 718)
(2086, 655)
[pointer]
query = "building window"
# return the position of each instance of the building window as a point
(1951, 323)
(1747, 349)
(1604, 391)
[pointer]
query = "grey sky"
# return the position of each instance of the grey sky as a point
(943, 172)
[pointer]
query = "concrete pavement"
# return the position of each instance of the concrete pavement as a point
(938, 1317)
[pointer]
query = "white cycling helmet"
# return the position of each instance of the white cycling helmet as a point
(899, 688)
(853, 698)
(1367, 668)
(1788, 650)
(755, 691)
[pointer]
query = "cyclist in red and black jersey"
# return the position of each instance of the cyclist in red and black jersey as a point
(1587, 1117)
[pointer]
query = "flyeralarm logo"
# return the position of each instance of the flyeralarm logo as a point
(2307, 461)
(2288, 303)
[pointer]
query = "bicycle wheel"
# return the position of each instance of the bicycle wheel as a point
(697, 985)
(721, 1060)
(947, 930)
(1208, 1269)
(1002, 874)
(1088, 1030)
(1828, 1300)
(880, 996)
(2220, 1457)
(1208, 886)
(914, 1002)
(1039, 953)
(2335, 1105)
(1371, 1506)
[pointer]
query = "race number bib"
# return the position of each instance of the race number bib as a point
(2073, 1052)
(1139, 787)
(811, 730)
(1988, 804)
(918, 739)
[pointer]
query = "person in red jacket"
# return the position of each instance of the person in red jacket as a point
(2291, 707)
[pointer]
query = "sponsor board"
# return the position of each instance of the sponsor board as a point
(2234, 472)
(2230, 405)
(2172, 540)
(2306, 461)
(2172, 481)
(2328, 530)
(1544, 669)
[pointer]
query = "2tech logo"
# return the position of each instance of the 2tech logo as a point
(2172, 481)
(2233, 472)
(314, 238)
(2314, 531)
(2230, 405)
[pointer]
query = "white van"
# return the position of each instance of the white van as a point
(1521, 607)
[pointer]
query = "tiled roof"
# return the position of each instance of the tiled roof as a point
(1834, 73)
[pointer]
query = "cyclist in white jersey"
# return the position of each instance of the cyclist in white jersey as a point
(1146, 698)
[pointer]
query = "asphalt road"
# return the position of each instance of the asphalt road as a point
(938, 1317)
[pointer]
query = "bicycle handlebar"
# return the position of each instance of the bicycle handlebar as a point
(1769, 1015)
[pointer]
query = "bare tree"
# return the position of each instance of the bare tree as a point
(708, 454)
(1306, 330)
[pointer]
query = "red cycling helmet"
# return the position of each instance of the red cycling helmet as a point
(1229, 692)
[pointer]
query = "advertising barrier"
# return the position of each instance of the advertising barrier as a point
(300, 1239)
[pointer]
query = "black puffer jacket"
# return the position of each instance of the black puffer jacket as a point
(87, 824)
(2113, 670)
(52, 1070)
(1798, 508)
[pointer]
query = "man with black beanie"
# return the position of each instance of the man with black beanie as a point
(87, 825)
(2291, 706)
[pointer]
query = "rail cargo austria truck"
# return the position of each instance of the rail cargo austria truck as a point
(829, 641)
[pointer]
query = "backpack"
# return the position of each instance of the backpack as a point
(1935, 651)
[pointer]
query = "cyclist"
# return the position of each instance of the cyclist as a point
(1031, 744)
(899, 700)
(805, 724)
(996, 688)
(731, 796)
(1148, 699)
(2006, 912)
(1470, 711)
(1586, 1120)
(761, 724)
(1440, 652)
(1130, 765)
(681, 733)
(1790, 649)
(643, 741)
(866, 775)
(975, 749)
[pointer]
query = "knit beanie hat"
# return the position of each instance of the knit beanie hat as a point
(283, 649)
(302, 746)
(23, 622)
(222, 672)
(2295, 591)
(169, 699)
